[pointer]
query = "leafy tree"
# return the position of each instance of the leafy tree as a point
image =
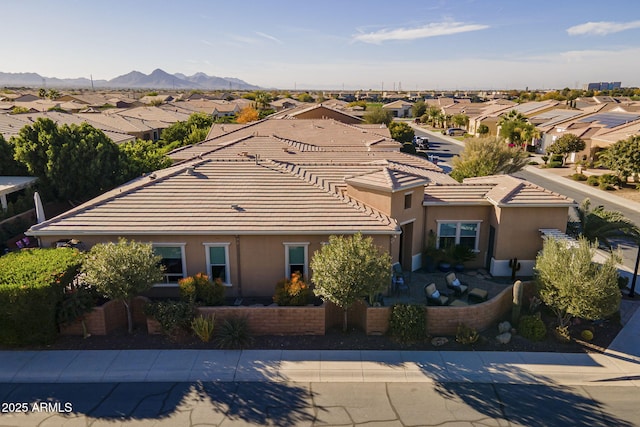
(263, 99)
(42, 93)
(53, 94)
(571, 284)
(483, 130)
(623, 157)
(378, 115)
(19, 110)
(122, 270)
(487, 156)
(408, 148)
(305, 97)
(401, 131)
(566, 144)
(140, 157)
(72, 162)
(248, 114)
(8, 165)
(601, 225)
(418, 109)
(179, 134)
(349, 268)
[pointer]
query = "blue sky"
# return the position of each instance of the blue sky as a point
(350, 44)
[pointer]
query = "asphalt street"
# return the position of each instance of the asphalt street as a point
(314, 404)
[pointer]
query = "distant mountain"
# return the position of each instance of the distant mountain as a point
(158, 79)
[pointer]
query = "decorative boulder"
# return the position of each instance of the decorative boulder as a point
(504, 338)
(438, 341)
(504, 327)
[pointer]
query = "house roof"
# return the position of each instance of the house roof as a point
(498, 190)
(388, 179)
(219, 197)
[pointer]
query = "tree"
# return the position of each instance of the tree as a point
(263, 99)
(349, 268)
(418, 109)
(460, 120)
(141, 157)
(72, 162)
(305, 97)
(8, 164)
(122, 270)
(516, 129)
(483, 130)
(248, 114)
(401, 131)
(601, 225)
(572, 285)
(566, 144)
(378, 115)
(623, 157)
(487, 156)
(179, 134)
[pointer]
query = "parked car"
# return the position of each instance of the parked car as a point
(455, 132)
(421, 142)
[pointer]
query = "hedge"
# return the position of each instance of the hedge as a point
(32, 285)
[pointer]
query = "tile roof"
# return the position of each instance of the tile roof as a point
(499, 190)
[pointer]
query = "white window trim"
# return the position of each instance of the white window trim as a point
(287, 245)
(457, 237)
(227, 268)
(182, 255)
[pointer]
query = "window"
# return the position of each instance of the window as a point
(407, 201)
(296, 255)
(172, 260)
(218, 262)
(458, 233)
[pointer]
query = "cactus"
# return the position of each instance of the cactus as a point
(515, 267)
(518, 289)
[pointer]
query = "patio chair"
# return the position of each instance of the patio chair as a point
(399, 282)
(433, 295)
(456, 285)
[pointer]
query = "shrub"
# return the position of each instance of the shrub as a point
(579, 177)
(532, 327)
(466, 335)
(623, 282)
(533, 163)
(32, 286)
(545, 159)
(586, 335)
(234, 333)
(292, 292)
(408, 323)
(198, 289)
(606, 187)
(203, 327)
(172, 315)
(554, 164)
(557, 158)
(610, 179)
(593, 180)
(562, 333)
(79, 298)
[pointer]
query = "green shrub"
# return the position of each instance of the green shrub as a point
(623, 282)
(292, 292)
(172, 315)
(557, 158)
(579, 177)
(187, 288)
(554, 164)
(79, 298)
(234, 333)
(610, 179)
(606, 187)
(532, 327)
(32, 284)
(466, 335)
(203, 327)
(593, 180)
(408, 322)
(533, 163)
(545, 159)
(586, 335)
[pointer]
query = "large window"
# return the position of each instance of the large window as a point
(172, 260)
(296, 255)
(458, 233)
(218, 262)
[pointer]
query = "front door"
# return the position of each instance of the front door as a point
(406, 246)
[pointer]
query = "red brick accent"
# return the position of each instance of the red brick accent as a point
(274, 320)
(100, 321)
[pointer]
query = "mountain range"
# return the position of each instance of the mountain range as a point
(158, 79)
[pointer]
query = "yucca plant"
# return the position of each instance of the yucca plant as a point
(203, 327)
(234, 333)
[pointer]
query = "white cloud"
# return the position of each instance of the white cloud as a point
(429, 30)
(269, 37)
(602, 28)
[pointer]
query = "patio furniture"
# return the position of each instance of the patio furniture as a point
(477, 295)
(455, 285)
(433, 295)
(399, 282)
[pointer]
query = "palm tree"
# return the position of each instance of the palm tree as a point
(599, 224)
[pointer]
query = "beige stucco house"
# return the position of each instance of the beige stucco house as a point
(251, 205)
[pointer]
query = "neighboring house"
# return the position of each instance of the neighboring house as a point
(253, 204)
(284, 104)
(399, 109)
